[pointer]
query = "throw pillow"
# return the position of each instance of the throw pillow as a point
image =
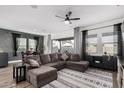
(64, 57)
(33, 63)
(35, 57)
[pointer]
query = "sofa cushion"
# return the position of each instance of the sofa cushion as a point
(33, 63)
(54, 57)
(74, 57)
(42, 71)
(45, 58)
(59, 57)
(78, 63)
(55, 64)
(35, 57)
(64, 57)
(79, 66)
(42, 76)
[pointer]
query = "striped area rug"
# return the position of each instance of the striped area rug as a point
(92, 78)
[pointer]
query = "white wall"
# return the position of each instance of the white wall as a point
(65, 34)
(101, 24)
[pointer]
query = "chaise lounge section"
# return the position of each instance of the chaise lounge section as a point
(46, 70)
(41, 76)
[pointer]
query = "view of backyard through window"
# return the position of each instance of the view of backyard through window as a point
(67, 46)
(22, 44)
(55, 46)
(92, 45)
(32, 44)
(109, 45)
(63, 46)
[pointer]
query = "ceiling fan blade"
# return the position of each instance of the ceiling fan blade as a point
(59, 17)
(74, 19)
(69, 13)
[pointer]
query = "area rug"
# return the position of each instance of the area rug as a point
(92, 78)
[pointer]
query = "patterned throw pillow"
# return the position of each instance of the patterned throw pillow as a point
(33, 63)
(64, 57)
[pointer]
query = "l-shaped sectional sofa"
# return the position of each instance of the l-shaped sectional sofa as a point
(49, 64)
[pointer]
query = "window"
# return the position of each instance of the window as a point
(21, 44)
(109, 46)
(63, 45)
(102, 40)
(67, 46)
(55, 46)
(32, 44)
(92, 44)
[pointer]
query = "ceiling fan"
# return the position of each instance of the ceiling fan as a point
(67, 18)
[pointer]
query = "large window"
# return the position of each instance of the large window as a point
(55, 46)
(21, 44)
(32, 44)
(102, 40)
(63, 45)
(67, 46)
(24, 45)
(109, 45)
(92, 44)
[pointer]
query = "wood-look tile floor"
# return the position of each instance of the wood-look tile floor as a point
(6, 79)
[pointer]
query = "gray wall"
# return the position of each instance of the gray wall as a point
(6, 45)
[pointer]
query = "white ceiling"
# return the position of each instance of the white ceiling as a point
(42, 20)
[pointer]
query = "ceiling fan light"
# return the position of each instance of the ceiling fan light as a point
(67, 22)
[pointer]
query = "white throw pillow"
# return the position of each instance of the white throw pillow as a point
(64, 57)
(33, 63)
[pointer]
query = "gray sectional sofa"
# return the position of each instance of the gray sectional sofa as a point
(49, 64)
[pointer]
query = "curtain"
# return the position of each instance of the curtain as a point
(77, 41)
(119, 39)
(15, 43)
(84, 35)
(39, 44)
(49, 43)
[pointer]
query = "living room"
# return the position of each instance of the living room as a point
(61, 46)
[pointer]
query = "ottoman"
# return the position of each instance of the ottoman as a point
(78, 65)
(41, 76)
